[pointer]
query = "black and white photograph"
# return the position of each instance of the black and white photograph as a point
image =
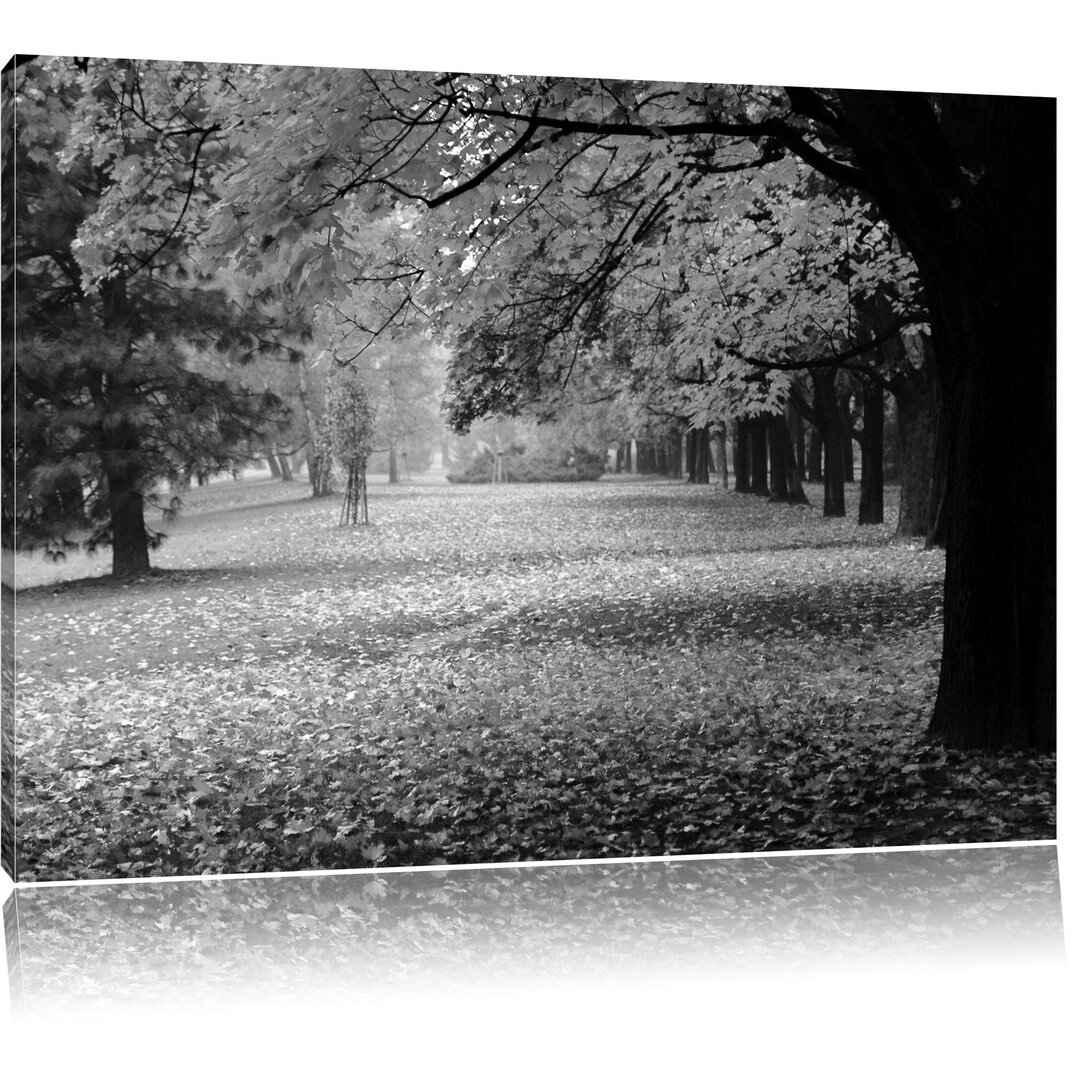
(611, 506)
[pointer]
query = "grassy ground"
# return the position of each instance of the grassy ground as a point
(522, 672)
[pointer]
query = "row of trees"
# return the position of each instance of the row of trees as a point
(710, 253)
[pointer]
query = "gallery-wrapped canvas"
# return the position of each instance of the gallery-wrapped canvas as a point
(411, 468)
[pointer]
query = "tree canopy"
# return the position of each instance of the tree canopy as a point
(696, 242)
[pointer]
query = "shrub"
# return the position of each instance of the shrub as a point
(541, 465)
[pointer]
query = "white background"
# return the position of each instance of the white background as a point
(870, 1021)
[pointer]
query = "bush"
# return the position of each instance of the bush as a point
(540, 466)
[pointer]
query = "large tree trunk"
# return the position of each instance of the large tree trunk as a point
(916, 419)
(782, 460)
(872, 474)
(697, 455)
(127, 522)
(970, 188)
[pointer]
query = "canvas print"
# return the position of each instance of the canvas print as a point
(408, 467)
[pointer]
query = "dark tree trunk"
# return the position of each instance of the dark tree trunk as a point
(721, 453)
(646, 457)
(872, 474)
(797, 434)
(936, 535)
(829, 424)
(130, 541)
(697, 455)
(742, 456)
(970, 188)
(778, 479)
(759, 455)
(847, 447)
(676, 454)
(783, 463)
(275, 469)
(917, 423)
(814, 474)
(286, 467)
(393, 465)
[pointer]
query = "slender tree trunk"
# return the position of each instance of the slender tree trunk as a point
(704, 437)
(797, 435)
(742, 456)
(721, 453)
(829, 425)
(393, 465)
(872, 478)
(847, 443)
(275, 468)
(814, 473)
(286, 467)
(759, 455)
(778, 477)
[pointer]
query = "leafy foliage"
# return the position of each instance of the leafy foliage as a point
(544, 465)
(526, 672)
(351, 420)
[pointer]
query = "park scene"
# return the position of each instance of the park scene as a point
(411, 468)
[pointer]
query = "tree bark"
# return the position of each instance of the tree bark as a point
(759, 455)
(969, 186)
(814, 473)
(872, 445)
(827, 413)
(721, 453)
(130, 543)
(796, 430)
(847, 448)
(916, 421)
(742, 456)
(778, 477)
(275, 468)
(697, 455)
(785, 461)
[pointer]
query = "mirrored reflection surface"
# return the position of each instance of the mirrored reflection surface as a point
(196, 943)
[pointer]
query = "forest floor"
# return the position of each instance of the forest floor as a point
(490, 674)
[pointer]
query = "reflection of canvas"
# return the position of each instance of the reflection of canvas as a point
(673, 397)
(206, 944)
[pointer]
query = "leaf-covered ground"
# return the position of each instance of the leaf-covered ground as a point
(493, 674)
